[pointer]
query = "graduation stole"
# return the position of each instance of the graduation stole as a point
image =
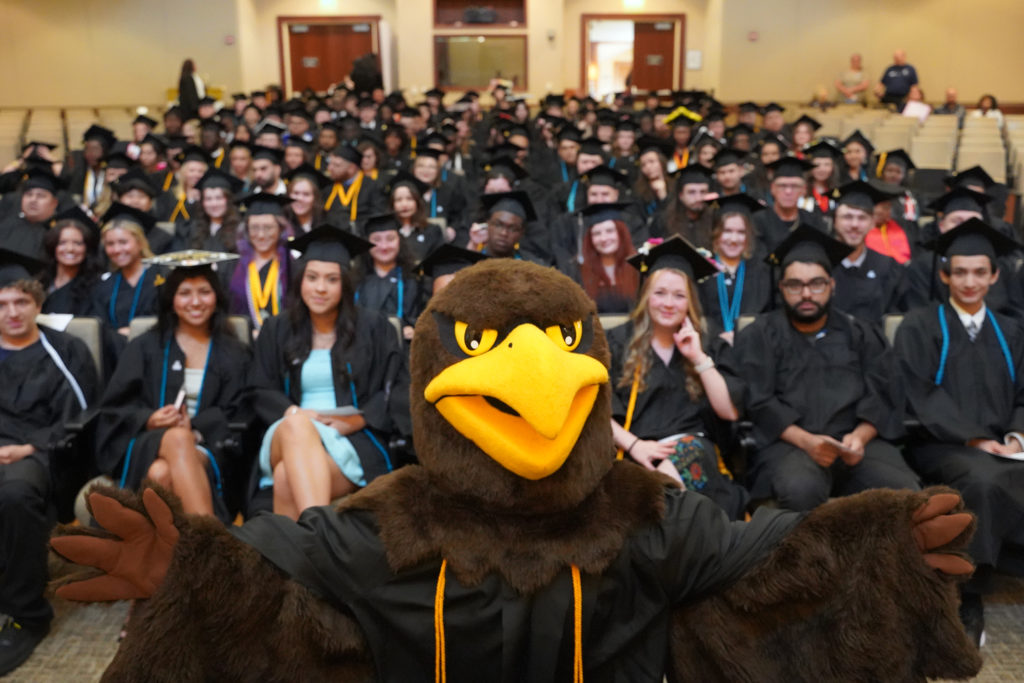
(682, 160)
(179, 208)
(168, 179)
(349, 197)
(440, 663)
(261, 297)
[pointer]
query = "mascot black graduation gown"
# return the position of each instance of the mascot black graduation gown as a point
(520, 550)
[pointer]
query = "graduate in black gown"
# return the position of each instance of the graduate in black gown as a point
(73, 267)
(667, 392)
(165, 412)
(259, 281)
(686, 211)
(743, 286)
(321, 354)
(23, 232)
(129, 289)
(819, 388)
(405, 199)
(924, 282)
(48, 379)
(440, 266)
(787, 187)
(137, 190)
(869, 285)
(387, 283)
(352, 194)
(963, 366)
(602, 269)
(215, 219)
(507, 214)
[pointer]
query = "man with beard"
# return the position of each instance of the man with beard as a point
(818, 386)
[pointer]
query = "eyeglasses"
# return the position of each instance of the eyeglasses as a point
(796, 287)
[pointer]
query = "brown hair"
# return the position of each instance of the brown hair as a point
(593, 273)
(34, 288)
(638, 353)
(719, 228)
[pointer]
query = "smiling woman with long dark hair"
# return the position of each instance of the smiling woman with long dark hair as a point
(73, 267)
(330, 379)
(166, 410)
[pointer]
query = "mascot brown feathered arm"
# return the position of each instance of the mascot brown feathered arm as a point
(863, 589)
(216, 610)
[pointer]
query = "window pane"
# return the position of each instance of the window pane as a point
(472, 61)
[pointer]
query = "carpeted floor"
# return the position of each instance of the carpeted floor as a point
(84, 639)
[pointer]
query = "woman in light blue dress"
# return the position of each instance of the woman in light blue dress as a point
(330, 380)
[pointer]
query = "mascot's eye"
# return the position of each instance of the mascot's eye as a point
(474, 342)
(567, 337)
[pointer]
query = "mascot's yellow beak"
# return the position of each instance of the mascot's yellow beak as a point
(524, 402)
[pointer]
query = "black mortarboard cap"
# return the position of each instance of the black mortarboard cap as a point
(211, 123)
(269, 126)
(807, 244)
(593, 214)
(823, 150)
(76, 214)
(627, 125)
(858, 137)
(605, 175)
(270, 153)
(447, 259)
(118, 210)
(142, 118)
(554, 99)
(428, 152)
(504, 149)
(104, 136)
(694, 173)
(506, 166)
(515, 202)
(403, 176)
(348, 153)
(134, 179)
(975, 237)
(116, 158)
(960, 199)
(43, 179)
(206, 99)
(675, 253)
(748, 107)
(738, 203)
(975, 176)
(648, 143)
(433, 138)
(264, 203)
(434, 92)
(897, 156)
(739, 129)
(159, 144)
(789, 167)
(307, 170)
(380, 222)
(570, 132)
(727, 156)
(861, 195)
(772, 106)
(591, 145)
(192, 153)
(259, 93)
(214, 177)
(331, 244)
(16, 266)
(804, 118)
(36, 143)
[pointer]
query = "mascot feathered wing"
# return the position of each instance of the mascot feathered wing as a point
(519, 550)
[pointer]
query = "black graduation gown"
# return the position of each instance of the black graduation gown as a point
(424, 241)
(23, 236)
(143, 297)
(75, 298)
(125, 449)
(567, 230)
(169, 209)
(369, 201)
(381, 294)
(38, 399)
(872, 290)
(378, 372)
(922, 281)
(448, 201)
(495, 633)
(771, 229)
(977, 399)
(755, 298)
(827, 385)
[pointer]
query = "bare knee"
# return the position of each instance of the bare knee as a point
(295, 425)
(177, 440)
(160, 472)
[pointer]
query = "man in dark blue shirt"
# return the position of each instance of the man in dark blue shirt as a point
(897, 80)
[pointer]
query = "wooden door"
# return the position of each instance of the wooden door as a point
(653, 54)
(322, 54)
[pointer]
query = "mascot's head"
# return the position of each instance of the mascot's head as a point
(510, 393)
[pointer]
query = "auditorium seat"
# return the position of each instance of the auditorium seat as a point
(612, 320)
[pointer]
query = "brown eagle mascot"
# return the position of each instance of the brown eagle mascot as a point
(520, 550)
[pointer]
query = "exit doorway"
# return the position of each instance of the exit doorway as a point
(316, 52)
(626, 51)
